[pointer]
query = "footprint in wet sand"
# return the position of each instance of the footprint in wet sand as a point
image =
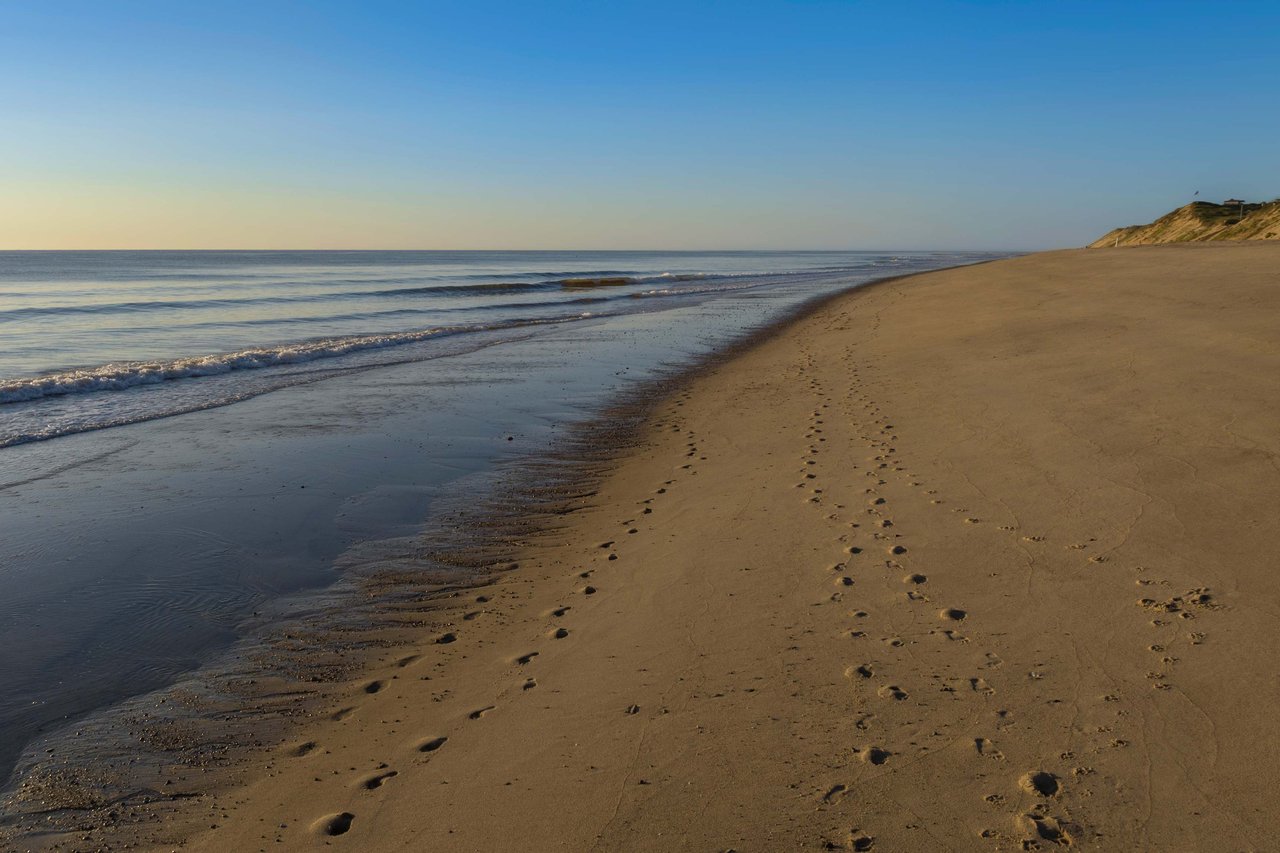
(302, 749)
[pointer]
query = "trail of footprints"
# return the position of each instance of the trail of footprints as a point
(340, 823)
(869, 542)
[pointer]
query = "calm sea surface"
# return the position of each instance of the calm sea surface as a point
(187, 438)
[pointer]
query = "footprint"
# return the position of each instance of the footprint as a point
(980, 685)
(446, 639)
(529, 684)
(955, 614)
(408, 659)
(432, 744)
(834, 794)
(373, 687)
(334, 824)
(917, 578)
(874, 755)
(892, 691)
(1044, 827)
(1040, 783)
(377, 781)
(525, 658)
(480, 712)
(342, 713)
(560, 633)
(987, 749)
(303, 749)
(559, 612)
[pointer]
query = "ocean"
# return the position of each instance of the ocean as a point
(188, 439)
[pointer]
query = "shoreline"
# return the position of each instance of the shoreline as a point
(958, 598)
(227, 702)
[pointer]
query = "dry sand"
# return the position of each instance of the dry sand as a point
(982, 559)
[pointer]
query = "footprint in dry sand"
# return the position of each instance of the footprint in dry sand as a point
(1040, 783)
(334, 824)
(987, 749)
(432, 744)
(874, 755)
(377, 780)
(892, 691)
(480, 712)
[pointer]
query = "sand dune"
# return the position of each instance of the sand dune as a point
(975, 560)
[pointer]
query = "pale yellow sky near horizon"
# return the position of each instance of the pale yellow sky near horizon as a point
(120, 216)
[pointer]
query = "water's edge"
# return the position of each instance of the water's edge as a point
(146, 767)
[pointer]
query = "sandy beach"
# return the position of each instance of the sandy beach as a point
(980, 559)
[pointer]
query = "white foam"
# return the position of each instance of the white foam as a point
(120, 375)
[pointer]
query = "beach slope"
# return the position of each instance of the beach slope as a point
(981, 559)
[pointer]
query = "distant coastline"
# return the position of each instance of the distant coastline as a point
(1201, 221)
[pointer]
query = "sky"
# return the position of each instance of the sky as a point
(598, 125)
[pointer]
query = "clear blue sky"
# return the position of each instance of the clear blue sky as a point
(623, 125)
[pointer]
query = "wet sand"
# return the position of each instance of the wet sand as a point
(980, 559)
